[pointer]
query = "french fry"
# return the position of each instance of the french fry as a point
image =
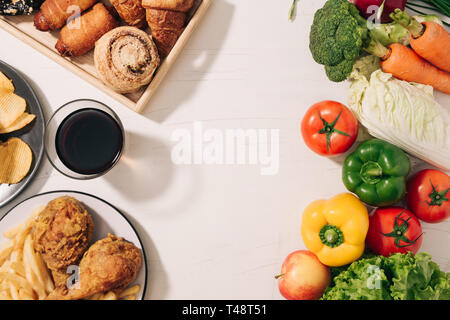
(23, 273)
(16, 255)
(11, 233)
(109, 296)
(45, 274)
(19, 240)
(15, 280)
(4, 286)
(13, 291)
(29, 259)
(26, 295)
(5, 266)
(131, 297)
(32, 270)
(5, 250)
(4, 295)
(42, 271)
(17, 268)
(129, 291)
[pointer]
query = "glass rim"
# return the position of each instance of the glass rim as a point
(76, 175)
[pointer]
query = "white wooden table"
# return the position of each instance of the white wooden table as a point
(215, 231)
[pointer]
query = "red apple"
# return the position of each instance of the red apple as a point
(303, 276)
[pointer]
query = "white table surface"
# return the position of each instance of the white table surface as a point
(215, 231)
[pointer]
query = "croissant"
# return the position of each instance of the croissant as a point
(80, 35)
(55, 13)
(166, 19)
(131, 11)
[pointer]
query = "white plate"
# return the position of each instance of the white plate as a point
(107, 219)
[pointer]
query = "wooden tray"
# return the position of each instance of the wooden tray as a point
(22, 28)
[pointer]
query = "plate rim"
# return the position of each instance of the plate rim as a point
(144, 291)
(40, 156)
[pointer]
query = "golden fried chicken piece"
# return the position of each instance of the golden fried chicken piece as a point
(62, 233)
(109, 264)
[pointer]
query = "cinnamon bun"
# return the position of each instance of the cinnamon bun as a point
(126, 59)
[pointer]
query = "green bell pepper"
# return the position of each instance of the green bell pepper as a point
(376, 172)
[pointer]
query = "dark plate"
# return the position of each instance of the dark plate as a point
(33, 134)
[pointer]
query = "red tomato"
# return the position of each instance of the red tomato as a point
(329, 128)
(428, 195)
(393, 230)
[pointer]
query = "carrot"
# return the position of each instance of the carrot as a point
(404, 64)
(433, 45)
(428, 39)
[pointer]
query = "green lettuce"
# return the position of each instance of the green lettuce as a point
(363, 280)
(399, 277)
(418, 278)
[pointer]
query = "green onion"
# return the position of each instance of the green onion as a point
(441, 6)
(421, 6)
(423, 13)
(292, 10)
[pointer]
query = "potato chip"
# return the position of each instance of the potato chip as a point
(15, 160)
(6, 85)
(11, 108)
(20, 123)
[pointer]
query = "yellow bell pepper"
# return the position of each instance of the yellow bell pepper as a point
(335, 229)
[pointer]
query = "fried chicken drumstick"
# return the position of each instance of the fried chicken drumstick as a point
(109, 264)
(62, 233)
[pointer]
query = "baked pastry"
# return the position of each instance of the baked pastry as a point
(166, 19)
(174, 5)
(131, 11)
(55, 13)
(126, 59)
(80, 35)
(166, 26)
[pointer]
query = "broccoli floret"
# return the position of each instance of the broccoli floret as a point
(337, 37)
(339, 72)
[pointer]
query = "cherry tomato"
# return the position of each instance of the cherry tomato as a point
(393, 230)
(329, 128)
(428, 195)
